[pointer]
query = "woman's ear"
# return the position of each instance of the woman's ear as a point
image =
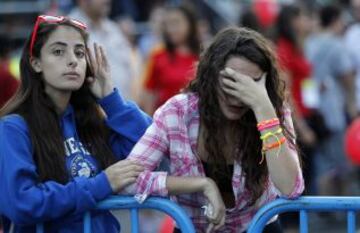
(36, 64)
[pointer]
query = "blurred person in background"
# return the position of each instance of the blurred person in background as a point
(149, 219)
(153, 37)
(171, 66)
(352, 38)
(248, 19)
(334, 74)
(204, 32)
(102, 30)
(292, 27)
(8, 83)
(128, 26)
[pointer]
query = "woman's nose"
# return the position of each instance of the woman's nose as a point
(72, 61)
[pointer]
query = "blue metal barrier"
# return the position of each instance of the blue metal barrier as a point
(305, 205)
(126, 202)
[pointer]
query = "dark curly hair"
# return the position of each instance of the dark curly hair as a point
(254, 47)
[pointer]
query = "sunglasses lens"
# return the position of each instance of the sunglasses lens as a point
(50, 18)
(56, 19)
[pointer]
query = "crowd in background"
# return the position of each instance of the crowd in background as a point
(153, 48)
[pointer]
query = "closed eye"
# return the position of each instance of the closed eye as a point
(258, 79)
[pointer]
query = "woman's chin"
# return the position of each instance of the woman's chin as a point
(72, 87)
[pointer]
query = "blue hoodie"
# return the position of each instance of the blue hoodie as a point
(26, 202)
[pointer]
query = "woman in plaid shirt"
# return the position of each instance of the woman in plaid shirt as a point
(229, 138)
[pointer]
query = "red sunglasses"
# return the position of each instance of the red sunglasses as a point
(51, 20)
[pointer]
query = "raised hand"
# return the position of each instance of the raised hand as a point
(243, 89)
(101, 83)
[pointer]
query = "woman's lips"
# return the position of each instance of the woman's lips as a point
(72, 75)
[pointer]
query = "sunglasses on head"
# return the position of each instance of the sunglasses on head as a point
(51, 20)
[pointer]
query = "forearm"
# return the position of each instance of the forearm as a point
(184, 185)
(282, 162)
(284, 168)
(37, 203)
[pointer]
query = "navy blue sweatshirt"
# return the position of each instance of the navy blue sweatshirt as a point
(26, 202)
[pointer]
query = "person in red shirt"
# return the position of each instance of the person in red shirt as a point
(171, 66)
(292, 28)
(8, 83)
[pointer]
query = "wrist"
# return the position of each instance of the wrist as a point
(206, 184)
(110, 179)
(264, 110)
(107, 90)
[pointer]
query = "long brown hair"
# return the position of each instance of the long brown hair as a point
(38, 110)
(252, 46)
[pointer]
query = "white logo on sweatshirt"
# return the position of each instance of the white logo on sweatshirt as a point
(72, 147)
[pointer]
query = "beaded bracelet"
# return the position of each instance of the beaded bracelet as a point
(268, 124)
(268, 121)
(271, 146)
(269, 134)
(274, 145)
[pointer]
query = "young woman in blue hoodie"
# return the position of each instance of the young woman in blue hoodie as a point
(63, 132)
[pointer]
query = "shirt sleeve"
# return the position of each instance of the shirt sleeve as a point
(24, 200)
(126, 121)
(149, 152)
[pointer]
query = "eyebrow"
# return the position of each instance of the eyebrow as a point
(64, 44)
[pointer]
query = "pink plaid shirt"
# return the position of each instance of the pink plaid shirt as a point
(174, 134)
